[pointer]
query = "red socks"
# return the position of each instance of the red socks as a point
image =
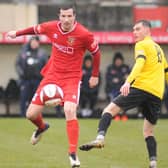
(39, 122)
(72, 131)
(73, 134)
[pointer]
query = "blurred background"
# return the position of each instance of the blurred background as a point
(110, 20)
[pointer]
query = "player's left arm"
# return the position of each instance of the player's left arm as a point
(92, 45)
(94, 80)
(165, 69)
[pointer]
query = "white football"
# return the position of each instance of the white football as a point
(51, 95)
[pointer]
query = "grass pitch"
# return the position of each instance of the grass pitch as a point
(124, 148)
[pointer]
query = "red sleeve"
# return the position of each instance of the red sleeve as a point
(91, 43)
(96, 63)
(38, 29)
(29, 30)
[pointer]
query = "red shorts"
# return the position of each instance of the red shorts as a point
(69, 87)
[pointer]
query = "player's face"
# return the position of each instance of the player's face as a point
(140, 32)
(118, 62)
(67, 18)
(88, 63)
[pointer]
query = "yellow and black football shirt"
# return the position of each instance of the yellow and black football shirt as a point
(151, 69)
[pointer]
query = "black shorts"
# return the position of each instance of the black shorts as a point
(150, 104)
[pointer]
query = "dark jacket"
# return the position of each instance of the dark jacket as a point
(116, 75)
(30, 62)
(87, 73)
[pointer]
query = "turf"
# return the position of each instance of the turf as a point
(124, 148)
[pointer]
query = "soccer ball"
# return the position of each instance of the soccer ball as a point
(51, 95)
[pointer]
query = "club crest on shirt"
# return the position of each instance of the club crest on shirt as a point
(71, 41)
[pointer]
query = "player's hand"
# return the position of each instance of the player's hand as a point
(125, 89)
(11, 34)
(93, 81)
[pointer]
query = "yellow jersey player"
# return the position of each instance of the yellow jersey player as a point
(144, 87)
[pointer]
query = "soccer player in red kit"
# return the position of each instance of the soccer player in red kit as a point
(69, 41)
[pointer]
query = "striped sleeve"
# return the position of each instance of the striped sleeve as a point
(27, 31)
(91, 43)
(141, 56)
(37, 29)
(139, 53)
(40, 28)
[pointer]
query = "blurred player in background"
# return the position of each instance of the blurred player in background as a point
(69, 40)
(143, 87)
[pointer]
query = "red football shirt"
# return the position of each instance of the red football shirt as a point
(68, 49)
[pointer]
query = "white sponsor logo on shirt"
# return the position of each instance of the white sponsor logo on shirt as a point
(64, 49)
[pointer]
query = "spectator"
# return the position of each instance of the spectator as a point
(12, 90)
(116, 74)
(89, 95)
(1, 93)
(10, 94)
(30, 60)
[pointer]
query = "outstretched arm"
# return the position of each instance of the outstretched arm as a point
(27, 31)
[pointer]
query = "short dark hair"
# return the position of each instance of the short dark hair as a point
(118, 55)
(37, 38)
(68, 6)
(144, 23)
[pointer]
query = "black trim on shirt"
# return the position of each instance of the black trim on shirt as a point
(132, 82)
(141, 56)
(166, 70)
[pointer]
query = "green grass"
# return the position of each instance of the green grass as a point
(125, 147)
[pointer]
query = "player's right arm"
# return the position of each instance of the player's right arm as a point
(38, 29)
(27, 31)
(140, 57)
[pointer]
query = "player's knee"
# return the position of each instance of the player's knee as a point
(70, 110)
(70, 114)
(147, 132)
(29, 116)
(112, 108)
